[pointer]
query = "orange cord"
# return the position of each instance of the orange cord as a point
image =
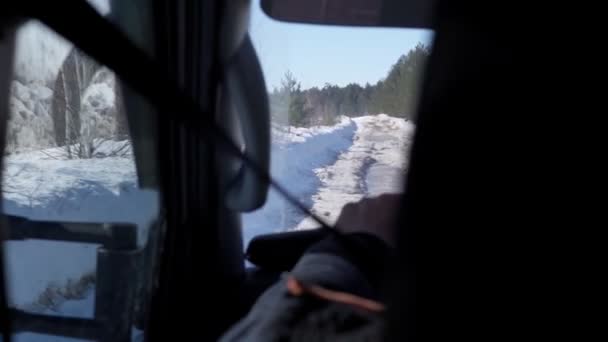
(297, 288)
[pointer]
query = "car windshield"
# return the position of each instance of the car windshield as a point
(342, 103)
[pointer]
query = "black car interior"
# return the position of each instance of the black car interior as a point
(191, 78)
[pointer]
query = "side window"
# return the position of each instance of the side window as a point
(342, 104)
(69, 159)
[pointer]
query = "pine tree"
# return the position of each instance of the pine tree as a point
(289, 102)
(395, 95)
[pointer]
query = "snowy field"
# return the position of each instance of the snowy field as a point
(44, 185)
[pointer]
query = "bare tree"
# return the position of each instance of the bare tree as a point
(75, 75)
(122, 128)
(76, 129)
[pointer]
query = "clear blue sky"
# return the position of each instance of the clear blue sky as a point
(319, 54)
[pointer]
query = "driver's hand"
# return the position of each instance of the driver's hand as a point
(374, 215)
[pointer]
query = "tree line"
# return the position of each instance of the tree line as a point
(395, 95)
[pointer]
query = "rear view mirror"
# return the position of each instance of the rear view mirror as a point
(381, 13)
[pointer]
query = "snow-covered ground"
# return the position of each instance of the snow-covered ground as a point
(52, 277)
(45, 185)
(374, 164)
(296, 153)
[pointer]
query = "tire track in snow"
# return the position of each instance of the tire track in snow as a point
(296, 153)
(374, 164)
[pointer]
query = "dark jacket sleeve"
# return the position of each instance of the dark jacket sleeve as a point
(365, 252)
(350, 263)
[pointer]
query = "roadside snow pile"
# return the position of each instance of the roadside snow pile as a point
(374, 164)
(44, 185)
(289, 134)
(296, 153)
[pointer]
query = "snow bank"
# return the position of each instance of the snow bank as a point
(289, 134)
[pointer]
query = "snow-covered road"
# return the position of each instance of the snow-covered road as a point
(374, 164)
(296, 154)
(335, 165)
